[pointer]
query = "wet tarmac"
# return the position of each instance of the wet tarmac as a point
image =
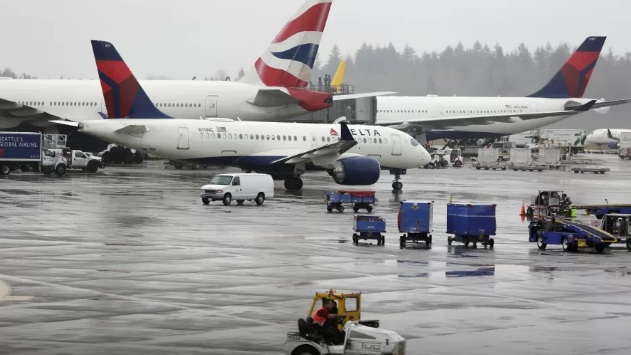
(129, 261)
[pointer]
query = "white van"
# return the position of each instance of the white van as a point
(238, 187)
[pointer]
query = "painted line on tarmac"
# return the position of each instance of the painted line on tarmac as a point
(197, 307)
(5, 293)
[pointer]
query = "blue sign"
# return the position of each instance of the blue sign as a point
(20, 146)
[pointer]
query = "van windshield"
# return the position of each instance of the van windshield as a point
(221, 180)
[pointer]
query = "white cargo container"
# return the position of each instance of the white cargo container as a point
(521, 156)
(624, 151)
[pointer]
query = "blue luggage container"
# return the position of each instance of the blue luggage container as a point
(369, 227)
(359, 199)
(415, 220)
(471, 223)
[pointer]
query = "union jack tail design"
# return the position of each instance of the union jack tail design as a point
(572, 79)
(289, 60)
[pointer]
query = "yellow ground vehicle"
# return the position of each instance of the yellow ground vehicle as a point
(348, 304)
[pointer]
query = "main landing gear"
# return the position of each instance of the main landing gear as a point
(397, 186)
(293, 183)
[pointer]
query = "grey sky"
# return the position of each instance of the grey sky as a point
(184, 38)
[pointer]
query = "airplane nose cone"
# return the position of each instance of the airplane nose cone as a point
(425, 157)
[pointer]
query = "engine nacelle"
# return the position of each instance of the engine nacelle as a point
(612, 145)
(356, 171)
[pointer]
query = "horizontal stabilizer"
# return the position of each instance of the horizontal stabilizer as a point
(273, 98)
(364, 95)
(573, 106)
(65, 123)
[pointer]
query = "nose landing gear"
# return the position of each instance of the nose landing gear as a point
(397, 186)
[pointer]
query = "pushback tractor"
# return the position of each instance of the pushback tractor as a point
(360, 336)
(415, 221)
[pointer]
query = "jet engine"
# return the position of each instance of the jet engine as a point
(356, 171)
(612, 144)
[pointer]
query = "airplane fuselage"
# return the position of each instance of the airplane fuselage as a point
(600, 137)
(403, 108)
(254, 145)
(81, 100)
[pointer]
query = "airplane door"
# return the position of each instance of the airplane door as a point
(182, 140)
(211, 106)
(396, 144)
(314, 140)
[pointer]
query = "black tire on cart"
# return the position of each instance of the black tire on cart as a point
(340, 209)
(600, 247)
(5, 169)
(329, 209)
(355, 208)
(449, 240)
(355, 238)
(383, 240)
(369, 209)
(240, 202)
(260, 198)
(540, 244)
(402, 242)
(628, 243)
(465, 241)
(491, 243)
(205, 200)
(565, 245)
(305, 350)
(227, 199)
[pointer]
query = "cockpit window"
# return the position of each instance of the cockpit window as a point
(414, 142)
(221, 180)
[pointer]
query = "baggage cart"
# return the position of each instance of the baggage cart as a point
(369, 227)
(415, 221)
(471, 223)
(358, 200)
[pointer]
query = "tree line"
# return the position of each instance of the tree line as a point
(479, 70)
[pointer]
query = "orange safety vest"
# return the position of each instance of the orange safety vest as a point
(319, 319)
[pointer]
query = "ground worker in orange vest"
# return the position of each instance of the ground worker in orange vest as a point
(328, 330)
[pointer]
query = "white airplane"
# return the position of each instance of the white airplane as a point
(434, 117)
(352, 155)
(605, 137)
(273, 89)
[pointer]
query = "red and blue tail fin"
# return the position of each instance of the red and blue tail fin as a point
(124, 97)
(289, 60)
(572, 79)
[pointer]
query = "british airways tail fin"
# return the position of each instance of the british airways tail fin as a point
(572, 79)
(124, 97)
(289, 60)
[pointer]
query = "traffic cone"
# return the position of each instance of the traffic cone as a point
(523, 209)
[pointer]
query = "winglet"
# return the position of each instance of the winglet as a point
(124, 97)
(586, 107)
(346, 133)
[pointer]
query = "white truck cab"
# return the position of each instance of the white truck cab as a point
(238, 187)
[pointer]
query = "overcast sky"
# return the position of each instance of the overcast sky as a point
(187, 38)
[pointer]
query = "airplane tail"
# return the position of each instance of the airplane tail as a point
(289, 60)
(124, 97)
(571, 81)
(338, 78)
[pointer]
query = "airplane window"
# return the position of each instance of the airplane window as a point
(323, 139)
(257, 137)
(364, 140)
(208, 135)
(212, 135)
(267, 137)
(304, 138)
(278, 137)
(201, 136)
(296, 138)
(414, 142)
(380, 141)
(328, 139)
(252, 137)
(385, 141)
(241, 136)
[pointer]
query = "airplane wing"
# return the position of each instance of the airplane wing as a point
(445, 122)
(325, 153)
(602, 104)
(364, 95)
(13, 113)
(272, 98)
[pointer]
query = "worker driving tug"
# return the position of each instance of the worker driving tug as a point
(325, 322)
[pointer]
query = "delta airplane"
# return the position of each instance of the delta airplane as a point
(433, 117)
(273, 89)
(605, 137)
(352, 155)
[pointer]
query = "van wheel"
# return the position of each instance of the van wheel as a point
(260, 198)
(240, 202)
(60, 170)
(4, 169)
(93, 166)
(227, 198)
(205, 200)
